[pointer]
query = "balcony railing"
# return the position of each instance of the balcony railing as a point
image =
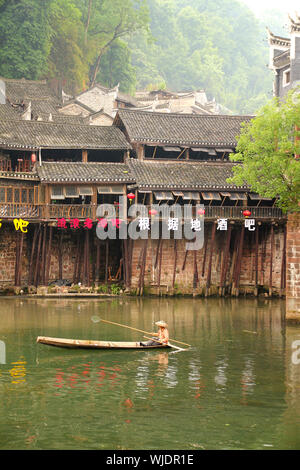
(66, 211)
(80, 211)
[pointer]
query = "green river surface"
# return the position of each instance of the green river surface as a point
(237, 387)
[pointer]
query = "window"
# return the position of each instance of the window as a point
(71, 191)
(57, 192)
(286, 77)
(116, 189)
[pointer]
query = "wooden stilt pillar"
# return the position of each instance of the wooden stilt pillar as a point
(80, 259)
(212, 245)
(225, 262)
(283, 264)
(185, 258)
(204, 256)
(30, 269)
(98, 255)
(106, 260)
(37, 261)
(239, 263)
(19, 252)
(175, 263)
(60, 257)
(256, 260)
(43, 262)
(160, 263)
(88, 279)
(196, 278)
(48, 260)
(17, 257)
(143, 267)
(271, 261)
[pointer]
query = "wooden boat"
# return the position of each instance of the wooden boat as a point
(93, 344)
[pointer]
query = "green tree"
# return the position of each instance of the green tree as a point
(116, 68)
(24, 38)
(105, 22)
(266, 150)
(68, 59)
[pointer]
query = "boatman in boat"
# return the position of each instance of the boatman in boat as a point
(161, 337)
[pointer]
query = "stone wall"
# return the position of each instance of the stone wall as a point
(293, 268)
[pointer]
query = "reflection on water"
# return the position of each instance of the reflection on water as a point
(235, 388)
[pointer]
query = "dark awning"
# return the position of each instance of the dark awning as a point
(163, 195)
(211, 196)
(238, 196)
(172, 149)
(191, 195)
(200, 149)
(178, 193)
(257, 197)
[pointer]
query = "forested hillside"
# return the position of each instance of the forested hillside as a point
(216, 45)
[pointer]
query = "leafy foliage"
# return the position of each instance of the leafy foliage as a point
(215, 45)
(267, 147)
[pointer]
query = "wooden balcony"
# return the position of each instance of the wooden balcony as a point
(81, 212)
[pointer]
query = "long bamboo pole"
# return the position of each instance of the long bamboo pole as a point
(141, 331)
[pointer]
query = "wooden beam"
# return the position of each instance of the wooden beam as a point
(84, 155)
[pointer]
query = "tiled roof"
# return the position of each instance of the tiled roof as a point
(7, 112)
(84, 172)
(35, 134)
(183, 175)
(38, 92)
(181, 129)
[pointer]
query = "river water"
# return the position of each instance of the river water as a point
(237, 387)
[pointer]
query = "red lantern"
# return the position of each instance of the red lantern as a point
(130, 196)
(201, 211)
(152, 211)
(33, 158)
(246, 213)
